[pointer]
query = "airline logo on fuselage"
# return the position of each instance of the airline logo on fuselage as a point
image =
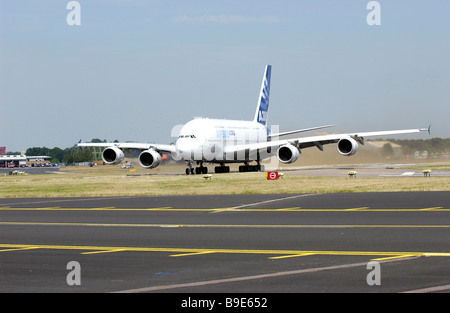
(221, 133)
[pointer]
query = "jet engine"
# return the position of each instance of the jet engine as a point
(112, 155)
(288, 154)
(347, 146)
(149, 159)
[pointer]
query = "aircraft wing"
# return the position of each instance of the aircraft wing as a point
(132, 146)
(319, 141)
(299, 131)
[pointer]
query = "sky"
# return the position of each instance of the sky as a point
(134, 70)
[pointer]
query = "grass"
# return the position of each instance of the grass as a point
(113, 181)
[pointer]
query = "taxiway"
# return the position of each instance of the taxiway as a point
(227, 243)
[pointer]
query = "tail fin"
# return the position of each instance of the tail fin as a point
(263, 102)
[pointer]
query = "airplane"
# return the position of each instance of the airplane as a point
(221, 141)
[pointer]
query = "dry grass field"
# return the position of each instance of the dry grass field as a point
(114, 181)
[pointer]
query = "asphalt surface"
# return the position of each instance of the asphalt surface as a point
(227, 244)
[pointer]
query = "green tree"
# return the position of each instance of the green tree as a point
(37, 151)
(78, 155)
(56, 154)
(96, 140)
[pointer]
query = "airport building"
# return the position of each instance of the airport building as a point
(12, 161)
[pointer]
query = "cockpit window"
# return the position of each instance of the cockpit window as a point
(186, 136)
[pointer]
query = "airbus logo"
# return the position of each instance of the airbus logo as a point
(262, 116)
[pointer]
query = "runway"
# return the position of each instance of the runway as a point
(227, 243)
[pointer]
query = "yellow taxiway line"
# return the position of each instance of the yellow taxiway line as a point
(192, 251)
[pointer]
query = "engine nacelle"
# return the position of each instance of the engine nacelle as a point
(149, 159)
(347, 146)
(288, 154)
(112, 155)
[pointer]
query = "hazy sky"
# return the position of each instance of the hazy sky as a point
(134, 69)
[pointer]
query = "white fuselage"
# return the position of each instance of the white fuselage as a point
(207, 140)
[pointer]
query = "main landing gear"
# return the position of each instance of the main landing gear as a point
(249, 168)
(198, 170)
(220, 169)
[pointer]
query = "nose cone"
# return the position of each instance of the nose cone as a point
(182, 145)
(189, 148)
(192, 136)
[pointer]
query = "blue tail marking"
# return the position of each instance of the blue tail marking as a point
(263, 102)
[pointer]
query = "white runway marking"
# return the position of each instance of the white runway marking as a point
(237, 208)
(253, 277)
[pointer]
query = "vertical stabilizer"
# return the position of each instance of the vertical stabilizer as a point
(263, 103)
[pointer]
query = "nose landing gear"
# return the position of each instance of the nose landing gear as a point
(198, 170)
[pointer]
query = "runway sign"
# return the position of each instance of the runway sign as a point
(272, 175)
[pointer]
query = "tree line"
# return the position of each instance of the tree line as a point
(70, 155)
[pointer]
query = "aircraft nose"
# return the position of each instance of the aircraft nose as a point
(186, 148)
(181, 146)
